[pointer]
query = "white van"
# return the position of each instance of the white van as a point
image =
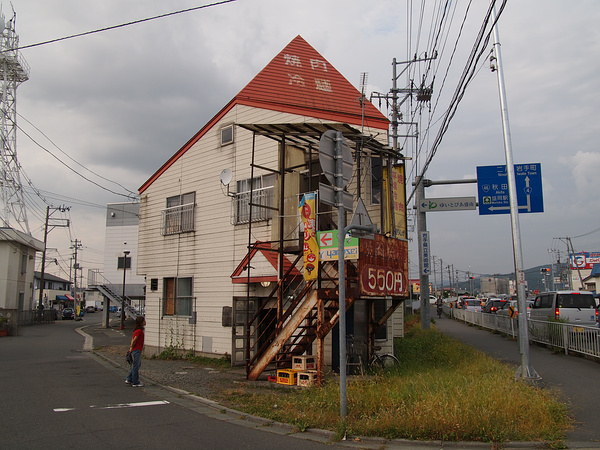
(578, 307)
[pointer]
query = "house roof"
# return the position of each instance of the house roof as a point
(297, 81)
(49, 277)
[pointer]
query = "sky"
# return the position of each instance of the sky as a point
(115, 105)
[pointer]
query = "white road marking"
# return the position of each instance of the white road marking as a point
(119, 405)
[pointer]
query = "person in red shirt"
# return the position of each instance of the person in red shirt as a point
(136, 347)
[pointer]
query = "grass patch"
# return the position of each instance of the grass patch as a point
(443, 390)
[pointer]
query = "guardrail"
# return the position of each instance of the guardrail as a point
(570, 338)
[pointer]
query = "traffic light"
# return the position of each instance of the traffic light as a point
(544, 270)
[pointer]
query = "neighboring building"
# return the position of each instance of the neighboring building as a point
(17, 265)
(122, 225)
(494, 285)
(56, 292)
(592, 282)
(221, 238)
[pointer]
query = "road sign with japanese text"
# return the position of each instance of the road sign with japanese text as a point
(493, 192)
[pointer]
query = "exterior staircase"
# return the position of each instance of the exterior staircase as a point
(310, 314)
(117, 300)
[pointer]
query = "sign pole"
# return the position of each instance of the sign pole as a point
(341, 273)
(526, 371)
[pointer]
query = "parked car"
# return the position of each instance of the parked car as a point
(90, 309)
(112, 308)
(68, 313)
(494, 304)
(578, 307)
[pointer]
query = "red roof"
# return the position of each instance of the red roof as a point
(297, 81)
(240, 275)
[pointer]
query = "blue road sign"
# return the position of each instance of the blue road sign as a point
(492, 189)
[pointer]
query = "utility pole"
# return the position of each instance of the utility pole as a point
(76, 247)
(46, 231)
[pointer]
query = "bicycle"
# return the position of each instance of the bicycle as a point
(377, 363)
(385, 361)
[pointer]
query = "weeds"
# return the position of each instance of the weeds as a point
(173, 353)
(443, 390)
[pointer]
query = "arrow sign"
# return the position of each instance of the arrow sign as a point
(492, 189)
(447, 204)
(326, 239)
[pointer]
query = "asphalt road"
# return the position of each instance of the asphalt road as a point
(54, 395)
(575, 377)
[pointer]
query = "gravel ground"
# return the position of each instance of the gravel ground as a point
(195, 378)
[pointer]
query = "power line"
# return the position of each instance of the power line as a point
(129, 196)
(135, 22)
(72, 159)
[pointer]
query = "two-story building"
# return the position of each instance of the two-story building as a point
(221, 241)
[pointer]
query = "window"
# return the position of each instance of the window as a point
(376, 181)
(23, 263)
(177, 297)
(178, 217)
(227, 135)
(127, 262)
(262, 194)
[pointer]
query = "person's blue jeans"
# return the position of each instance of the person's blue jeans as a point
(134, 373)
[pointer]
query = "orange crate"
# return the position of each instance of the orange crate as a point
(305, 362)
(287, 376)
(308, 378)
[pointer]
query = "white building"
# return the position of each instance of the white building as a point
(17, 265)
(220, 235)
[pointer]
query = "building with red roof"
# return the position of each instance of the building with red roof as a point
(220, 241)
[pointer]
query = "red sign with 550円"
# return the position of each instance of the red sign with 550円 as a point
(383, 267)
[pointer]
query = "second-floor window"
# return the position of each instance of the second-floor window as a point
(179, 215)
(262, 194)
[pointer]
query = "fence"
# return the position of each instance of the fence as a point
(568, 337)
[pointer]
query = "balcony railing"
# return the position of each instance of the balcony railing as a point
(262, 197)
(178, 219)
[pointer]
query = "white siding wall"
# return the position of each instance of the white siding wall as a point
(211, 253)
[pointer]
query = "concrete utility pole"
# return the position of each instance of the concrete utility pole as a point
(526, 371)
(423, 241)
(46, 231)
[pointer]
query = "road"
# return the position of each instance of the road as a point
(54, 395)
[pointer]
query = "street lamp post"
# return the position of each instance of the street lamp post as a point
(125, 253)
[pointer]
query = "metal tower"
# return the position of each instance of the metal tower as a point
(13, 71)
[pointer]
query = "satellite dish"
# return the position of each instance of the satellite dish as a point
(226, 177)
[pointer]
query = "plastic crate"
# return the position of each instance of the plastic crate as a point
(305, 362)
(288, 377)
(308, 378)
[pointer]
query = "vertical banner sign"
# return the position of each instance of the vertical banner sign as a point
(399, 204)
(425, 268)
(311, 246)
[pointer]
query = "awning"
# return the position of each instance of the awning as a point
(263, 265)
(70, 298)
(61, 297)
